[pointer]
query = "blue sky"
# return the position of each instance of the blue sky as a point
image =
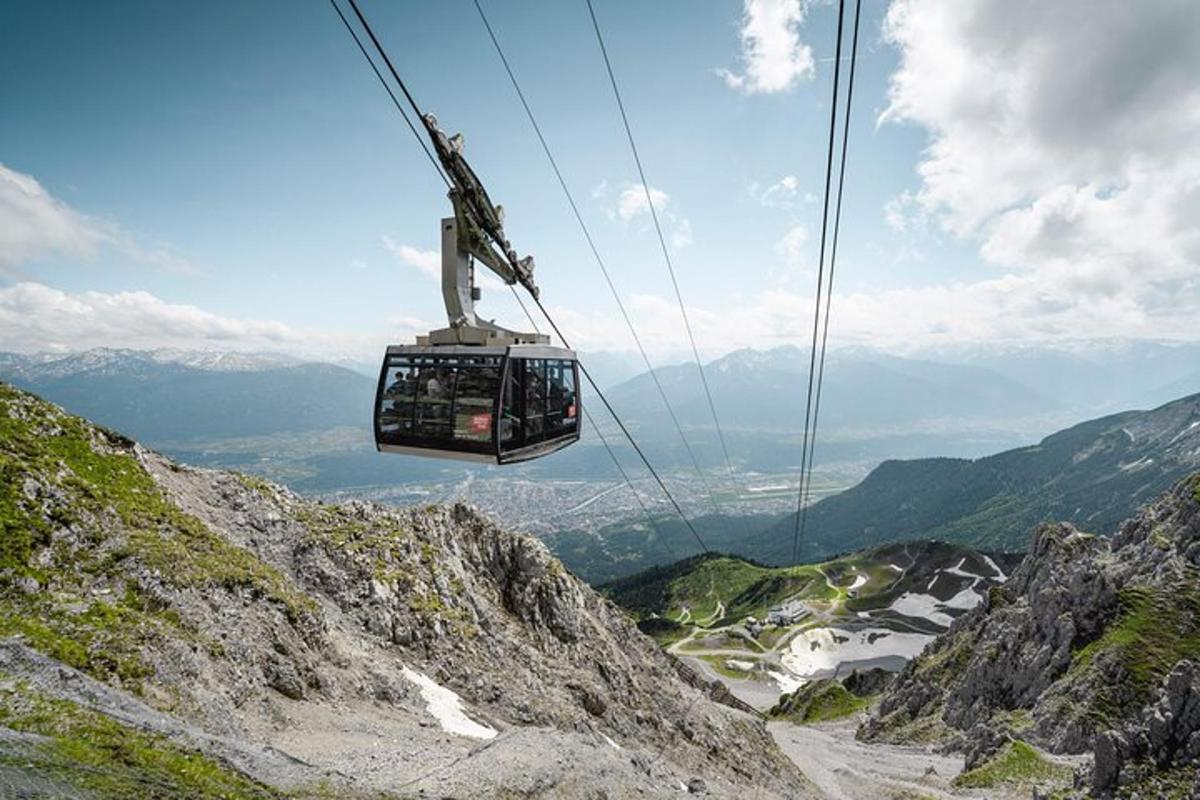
(229, 174)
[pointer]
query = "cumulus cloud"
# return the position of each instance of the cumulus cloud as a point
(681, 236)
(38, 318)
(34, 223)
(781, 194)
(427, 262)
(635, 201)
(1061, 139)
(793, 245)
(774, 59)
(1008, 309)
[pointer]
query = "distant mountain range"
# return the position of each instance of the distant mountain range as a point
(1093, 475)
(120, 361)
(309, 423)
(1096, 377)
(165, 395)
(763, 390)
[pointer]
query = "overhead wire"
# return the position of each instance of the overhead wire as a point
(805, 458)
(837, 221)
(665, 251)
(417, 110)
(388, 89)
(663, 541)
(812, 361)
(633, 442)
(596, 254)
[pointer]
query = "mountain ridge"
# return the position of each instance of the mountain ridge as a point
(1092, 645)
(380, 646)
(1095, 474)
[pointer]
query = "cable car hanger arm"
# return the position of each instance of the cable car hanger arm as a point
(480, 221)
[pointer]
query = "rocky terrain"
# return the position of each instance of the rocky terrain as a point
(1092, 645)
(180, 632)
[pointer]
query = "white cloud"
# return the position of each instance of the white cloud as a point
(781, 194)
(1061, 139)
(38, 318)
(428, 262)
(773, 57)
(793, 244)
(633, 201)
(1008, 309)
(681, 236)
(34, 223)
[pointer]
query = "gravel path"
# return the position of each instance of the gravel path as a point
(846, 769)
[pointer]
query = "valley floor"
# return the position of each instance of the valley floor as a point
(845, 769)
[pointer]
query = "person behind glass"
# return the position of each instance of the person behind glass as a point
(435, 387)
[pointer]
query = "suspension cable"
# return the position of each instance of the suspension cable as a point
(812, 361)
(658, 534)
(666, 254)
(417, 110)
(391, 94)
(624, 429)
(604, 440)
(837, 220)
(662, 393)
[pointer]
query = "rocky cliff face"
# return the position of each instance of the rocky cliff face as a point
(330, 648)
(1090, 644)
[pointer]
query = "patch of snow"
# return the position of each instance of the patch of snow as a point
(446, 707)
(1141, 463)
(958, 570)
(787, 683)
(964, 600)
(864, 614)
(744, 666)
(772, 488)
(822, 649)
(1183, 433)
(932, 581)
(928, 607)
(859, 580)
(1000, 576)
(896, 567)
(925, 606)
(611, 742)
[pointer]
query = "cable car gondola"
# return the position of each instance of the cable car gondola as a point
(473, 390)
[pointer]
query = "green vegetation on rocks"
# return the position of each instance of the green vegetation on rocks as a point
(1015, 763)
(818, 701)
(84, 528)
(1157, 627)
(99, 757)
(1093, 648)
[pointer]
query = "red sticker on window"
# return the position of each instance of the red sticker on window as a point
(571, 410)
(481, 423)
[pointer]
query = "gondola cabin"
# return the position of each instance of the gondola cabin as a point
(474, 390)
(477, 403)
